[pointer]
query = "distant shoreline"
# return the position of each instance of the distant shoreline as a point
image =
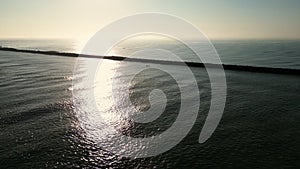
(190, 64)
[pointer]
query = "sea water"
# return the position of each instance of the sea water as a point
(40, 127)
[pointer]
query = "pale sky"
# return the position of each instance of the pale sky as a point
(218, 19)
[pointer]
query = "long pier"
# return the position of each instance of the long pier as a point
(190, 64)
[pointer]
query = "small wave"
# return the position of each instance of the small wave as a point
(36, 112)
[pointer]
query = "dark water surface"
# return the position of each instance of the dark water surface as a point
(40, 128)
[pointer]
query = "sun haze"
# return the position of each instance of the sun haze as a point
(257, 19)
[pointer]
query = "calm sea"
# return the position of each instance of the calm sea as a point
(40, 127)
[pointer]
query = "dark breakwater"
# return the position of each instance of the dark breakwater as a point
(190, 64)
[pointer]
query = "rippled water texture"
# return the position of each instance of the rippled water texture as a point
(41, 128)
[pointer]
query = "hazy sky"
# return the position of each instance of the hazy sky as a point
(279, 19)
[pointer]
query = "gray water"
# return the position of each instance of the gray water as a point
(260, 127)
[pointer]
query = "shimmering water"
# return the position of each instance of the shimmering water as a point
(41, 128)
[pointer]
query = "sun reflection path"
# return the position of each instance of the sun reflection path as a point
(91, 101)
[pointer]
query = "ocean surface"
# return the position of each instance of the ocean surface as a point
(41, 127)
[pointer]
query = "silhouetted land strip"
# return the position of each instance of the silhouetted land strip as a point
(191, 64)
